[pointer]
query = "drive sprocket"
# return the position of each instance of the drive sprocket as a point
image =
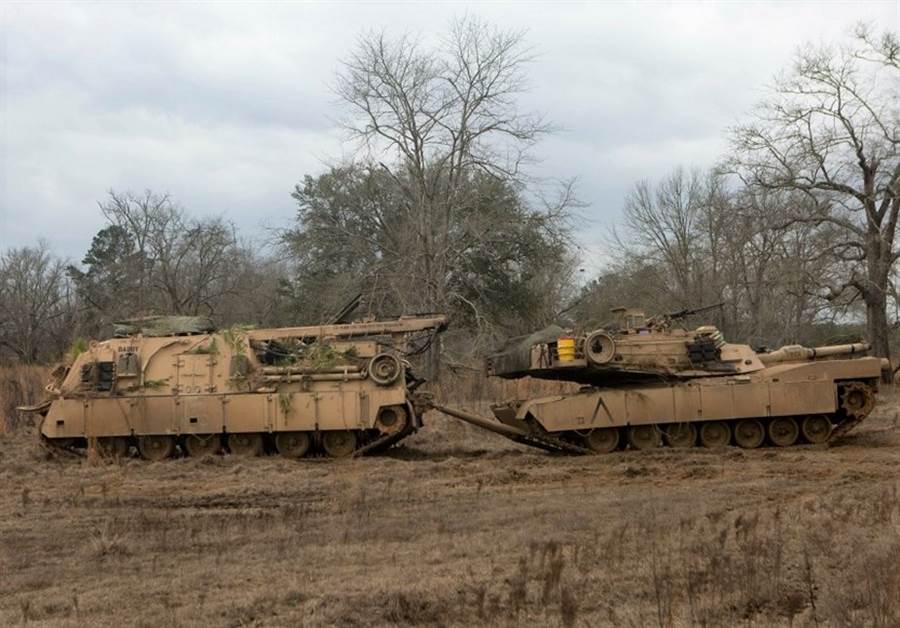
(857, 400)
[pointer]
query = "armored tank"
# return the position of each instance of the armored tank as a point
(648, 382)
(166, 384)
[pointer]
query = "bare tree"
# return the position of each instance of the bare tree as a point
(140, 216)
(35, 311)
(883, 48)
(695, 238)
(830, 130)
(439, 114)
(184, 265)
(770, 269)
(508, 263)
(436, 120)
(664, 220)
(193, 263)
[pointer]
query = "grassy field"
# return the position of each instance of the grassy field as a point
(456, 528)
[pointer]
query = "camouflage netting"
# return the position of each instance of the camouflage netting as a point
(515, 356)
(163, 326)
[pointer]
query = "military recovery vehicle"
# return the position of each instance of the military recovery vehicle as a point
(174, 383)
(648, 382)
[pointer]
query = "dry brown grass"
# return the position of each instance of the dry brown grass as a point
(468, 385)
(457, 528)
(20, 385)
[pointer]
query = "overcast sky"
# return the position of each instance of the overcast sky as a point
(227, 106)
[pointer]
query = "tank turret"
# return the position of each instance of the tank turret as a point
(633, 347)
(636, 347)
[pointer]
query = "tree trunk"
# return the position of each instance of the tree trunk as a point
(877, 324)
(875, 295)
(434, 360)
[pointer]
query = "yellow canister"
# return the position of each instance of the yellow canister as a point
(565, 348)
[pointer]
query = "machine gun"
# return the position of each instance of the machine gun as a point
(664, 320)
(690, 312)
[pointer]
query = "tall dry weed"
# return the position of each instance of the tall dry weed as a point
(20, 385)
(829, 562)
(470, 386)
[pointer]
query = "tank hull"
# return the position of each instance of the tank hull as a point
(792, 392)
(334, 409)
(293, 390)
(804, 389)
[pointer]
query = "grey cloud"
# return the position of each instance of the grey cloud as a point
(227, 106)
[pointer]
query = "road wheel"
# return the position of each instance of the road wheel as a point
(681, 434)
(292, 444)
(339, 443)
(784, 431)
(817, 428)
(156, 447)
(245, 444)
(603, 440)
(715, 434)
(749, 433)
(644, 436)
(203, 444)
(391, 420)
(112, 447)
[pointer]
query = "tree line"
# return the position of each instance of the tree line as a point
(794, 230)
(438, 209)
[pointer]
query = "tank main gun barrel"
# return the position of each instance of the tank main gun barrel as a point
(796, 353)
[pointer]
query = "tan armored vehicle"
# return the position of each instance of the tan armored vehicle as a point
(171, 383)
(648, 382)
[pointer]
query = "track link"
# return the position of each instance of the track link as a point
(556, 445)
(382, 442)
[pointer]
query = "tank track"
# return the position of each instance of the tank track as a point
(381, 443)
(842, 427)
(366, 445)
(551, 444)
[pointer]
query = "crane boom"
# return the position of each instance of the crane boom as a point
(400, 326)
